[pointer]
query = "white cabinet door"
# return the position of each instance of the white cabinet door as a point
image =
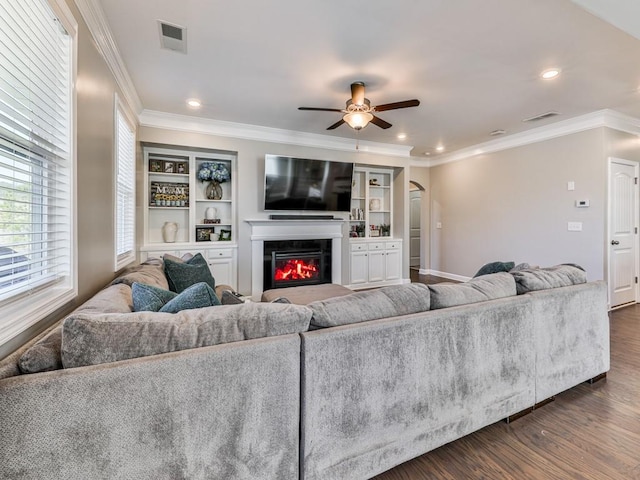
(222, 271)
(393, 265)
(376, 265)
(359, 267)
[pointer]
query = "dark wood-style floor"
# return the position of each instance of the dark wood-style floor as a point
(588, 432)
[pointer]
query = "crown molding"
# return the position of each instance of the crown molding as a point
(96, 21)
(600, 118)
(186, 123)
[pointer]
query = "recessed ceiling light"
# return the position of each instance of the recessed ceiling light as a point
(550, 73)
(427, 153)
(194, 103)
(440, 148)
(402, 136)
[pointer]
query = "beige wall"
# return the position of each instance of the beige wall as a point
(514, 205)
(95, 169)
(251, 177)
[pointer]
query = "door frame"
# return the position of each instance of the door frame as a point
(636, 172)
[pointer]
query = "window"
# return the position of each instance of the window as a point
(125, 190)
(37, 273)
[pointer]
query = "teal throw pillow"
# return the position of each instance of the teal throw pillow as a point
(199, 295)
(182, 275)
(149, 298)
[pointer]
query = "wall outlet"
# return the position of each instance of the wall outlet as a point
(438, 224)
(574, 226)
(571, 185)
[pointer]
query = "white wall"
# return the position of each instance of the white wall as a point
(251, 177)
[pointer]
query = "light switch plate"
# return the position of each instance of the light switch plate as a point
(574, 226)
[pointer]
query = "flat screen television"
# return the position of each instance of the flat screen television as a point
(307, 185)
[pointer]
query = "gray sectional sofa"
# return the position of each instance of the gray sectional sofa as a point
(381, 377)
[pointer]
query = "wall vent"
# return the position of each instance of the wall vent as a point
(173, 37)
(542, 116)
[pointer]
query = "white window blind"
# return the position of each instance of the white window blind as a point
(36, 176)
(125, 191)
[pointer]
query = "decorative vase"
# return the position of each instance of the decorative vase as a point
(211, 213)
(169, 230)
(214, 191)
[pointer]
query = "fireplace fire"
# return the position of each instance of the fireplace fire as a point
(296, 269)
(297, 262)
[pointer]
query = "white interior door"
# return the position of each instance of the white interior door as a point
(415, 198)
(623, 231)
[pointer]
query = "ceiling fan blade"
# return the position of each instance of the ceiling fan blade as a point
(395, 105)
(320, 109)
(336, 125)
(380, 122)
(357, 93)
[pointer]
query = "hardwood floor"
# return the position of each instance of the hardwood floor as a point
(588, 432)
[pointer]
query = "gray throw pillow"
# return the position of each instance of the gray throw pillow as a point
(182, 275)
(550, 277)
(370, 305)
(93, 339)
(494, 267)
(45, 354)
(479, 289)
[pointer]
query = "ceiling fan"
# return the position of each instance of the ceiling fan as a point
(359, 112)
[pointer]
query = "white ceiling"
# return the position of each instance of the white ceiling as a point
(473, 64)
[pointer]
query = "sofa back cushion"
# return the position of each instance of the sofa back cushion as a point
(45, 354)
(370, 305)
(530, 280)
(150, 274)
(479, 289)
(93, 339)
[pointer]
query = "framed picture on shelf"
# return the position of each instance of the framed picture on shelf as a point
(169, 167)
(156, 166)
(163, 194)
(203, 234)
(225, 235)
(182, 167)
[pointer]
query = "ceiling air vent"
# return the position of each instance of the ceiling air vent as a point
(542, 116)
(173, 37)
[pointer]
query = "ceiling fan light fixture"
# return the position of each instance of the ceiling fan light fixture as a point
(357, 120)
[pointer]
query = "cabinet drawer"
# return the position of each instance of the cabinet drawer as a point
(392, 245)
(220, 253)
(376, 246)
(358, 247)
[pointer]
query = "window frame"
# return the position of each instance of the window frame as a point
(25, 310)
(126, 258)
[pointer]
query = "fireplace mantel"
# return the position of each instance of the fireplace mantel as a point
(297, 229)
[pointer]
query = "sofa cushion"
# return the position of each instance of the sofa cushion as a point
(494, 267)
(551, 277)
(150, 274)
(305, 294)
(181, 275)
(93, 339)
(45, 354)
(370, 305)
(479, 289)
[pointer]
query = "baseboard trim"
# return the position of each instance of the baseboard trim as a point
(450, 276)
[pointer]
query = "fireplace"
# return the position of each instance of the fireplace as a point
(289, 263)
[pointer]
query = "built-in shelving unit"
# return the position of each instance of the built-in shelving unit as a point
(174, 194)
